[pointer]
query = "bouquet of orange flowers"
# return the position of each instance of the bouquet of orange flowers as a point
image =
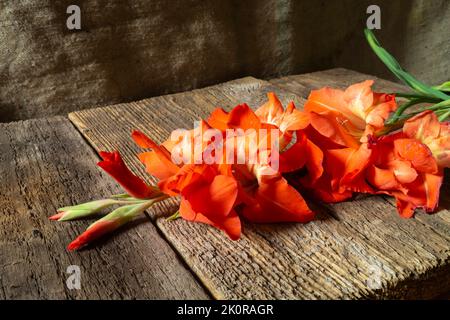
(257, 165)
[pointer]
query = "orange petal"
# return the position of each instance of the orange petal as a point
(403, 171)
(218, 119)
(113, 164)
(327, 125)
(158, 162)
(314, 161)
(294, 120)
(427, 128)
(214, 200)
(322, 190)
(359, 98)
(231, 224)
(270, 110)
(353, 177)
(188, 174)
(295, 157)
(383, 179)
(331, 100)
(422, 193)
(384, 105)
(240, 117)
(277, 201)
(418, 153)
(423, 126)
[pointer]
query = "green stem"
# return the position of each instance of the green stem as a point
(445, 104)
(412, 114)
(444, 116)
(442, 106)
(137, 201)
(426, 98)
(175, 216)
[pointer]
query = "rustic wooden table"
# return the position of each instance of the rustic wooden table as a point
(359, 249)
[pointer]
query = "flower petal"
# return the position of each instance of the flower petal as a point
(158, 162)
(353, 177)
(277, 201)
(327, 125)
(231, 224)
(419, 154)
(426, 128)
(270, 110)
(295, 156)
(327, 100)
(240, 117)
(384, 104)
(214, 200)
(422, 193)
(423, 126)
(113, 164)
(359, 98)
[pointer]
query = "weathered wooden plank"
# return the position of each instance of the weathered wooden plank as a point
(342, 78)
(376, 254)
(302, 84)
(45, 164)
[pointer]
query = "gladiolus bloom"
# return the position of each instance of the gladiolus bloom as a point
(343, 125)
(219, 192)
(113, 164)
(265, 194)
(409, 165)
(207, 194)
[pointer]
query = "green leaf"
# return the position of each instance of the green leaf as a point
(397, 70)
(410, 96)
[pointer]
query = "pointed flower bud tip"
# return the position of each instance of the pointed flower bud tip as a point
(57, 216)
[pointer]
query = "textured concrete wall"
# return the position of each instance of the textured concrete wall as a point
(415, 31)
(133, 49)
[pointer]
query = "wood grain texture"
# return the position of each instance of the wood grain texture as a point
(46, 164)
(302, 84)
(356, 249)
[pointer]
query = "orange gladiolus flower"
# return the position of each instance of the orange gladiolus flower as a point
(409, 165)
(351, 115)
(426, 128)
(207, 194)
(343, 125)
(266, 195)
(219, 192)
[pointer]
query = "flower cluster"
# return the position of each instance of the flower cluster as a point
(257, 165)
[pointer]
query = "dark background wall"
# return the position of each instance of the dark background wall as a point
(132, 49)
